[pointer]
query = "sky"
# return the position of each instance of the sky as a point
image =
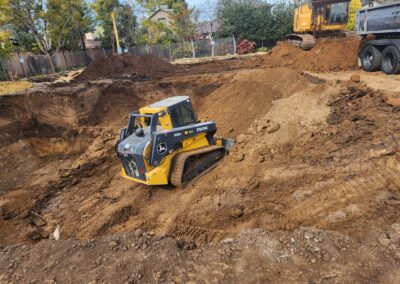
(198, 2)
(201, 3)
(205, 7)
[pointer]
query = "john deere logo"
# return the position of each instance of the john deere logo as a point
(161, 148)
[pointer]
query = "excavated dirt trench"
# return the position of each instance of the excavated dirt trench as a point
(57, 146)
(308, 153)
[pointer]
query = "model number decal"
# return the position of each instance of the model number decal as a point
(199, 129)
(177, 134)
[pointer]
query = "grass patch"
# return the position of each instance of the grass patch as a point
(13, 87)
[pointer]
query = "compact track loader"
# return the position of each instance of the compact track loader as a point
(165, 143)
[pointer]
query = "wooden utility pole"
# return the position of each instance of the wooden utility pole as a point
(119, 50)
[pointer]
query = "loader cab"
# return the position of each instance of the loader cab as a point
(175, 112)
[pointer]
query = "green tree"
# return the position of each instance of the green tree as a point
(67, 23)
(127, 25)
(282, 15)
(55, 25)
(29, 16)
(5, 45)
(183, 25)
(125, 20)
(154, 33)
(153, 5)
(254, 20)
(4, 11)
(103, 9)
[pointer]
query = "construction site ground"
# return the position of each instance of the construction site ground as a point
(310, 193)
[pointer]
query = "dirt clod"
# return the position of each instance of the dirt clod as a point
(355, 78)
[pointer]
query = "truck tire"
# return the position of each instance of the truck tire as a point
(371, 58)
(390, 60)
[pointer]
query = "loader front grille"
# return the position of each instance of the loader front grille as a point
(130, 167)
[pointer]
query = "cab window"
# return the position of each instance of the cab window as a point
(337, 13)
(147, 120)
(182, 115)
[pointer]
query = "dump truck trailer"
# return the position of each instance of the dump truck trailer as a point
(379, 27)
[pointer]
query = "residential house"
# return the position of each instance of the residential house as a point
(91, 40)
(163, 15)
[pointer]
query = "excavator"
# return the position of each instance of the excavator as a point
(164, 143)
(315, 18)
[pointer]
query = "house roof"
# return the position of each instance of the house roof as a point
(169, 11)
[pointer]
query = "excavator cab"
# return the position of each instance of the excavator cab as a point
(321, 15)
(165, 143)
(303, 16)
(313, 18)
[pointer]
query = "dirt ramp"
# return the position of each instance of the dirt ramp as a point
(118, 65)
(327, 55)
(249, 95)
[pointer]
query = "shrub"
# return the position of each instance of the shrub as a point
(183, 50)
(262, 49)
(246, 46)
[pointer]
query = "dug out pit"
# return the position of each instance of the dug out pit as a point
(57, 148)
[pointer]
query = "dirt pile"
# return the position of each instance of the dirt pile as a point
(327, 55)
(128, 66)
(248, 96)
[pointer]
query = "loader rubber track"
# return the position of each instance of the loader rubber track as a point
(189, 166)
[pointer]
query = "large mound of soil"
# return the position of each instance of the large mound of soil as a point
(118, 65)
(327, 55)
(249, 96)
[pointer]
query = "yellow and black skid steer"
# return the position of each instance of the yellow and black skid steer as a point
(164, 143)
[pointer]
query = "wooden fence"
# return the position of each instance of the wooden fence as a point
(28, 64)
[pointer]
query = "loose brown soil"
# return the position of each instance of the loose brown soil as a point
(327, 55)
(128, 66)
(309, 193)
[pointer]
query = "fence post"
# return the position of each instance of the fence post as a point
(212, 46)
(170, 51)
(4, 69)
(51, 63)
(22, 65)
(65, 61)
(147, 48)
(38, 66)
(234, 44)
(84, 57)
(193, 51)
